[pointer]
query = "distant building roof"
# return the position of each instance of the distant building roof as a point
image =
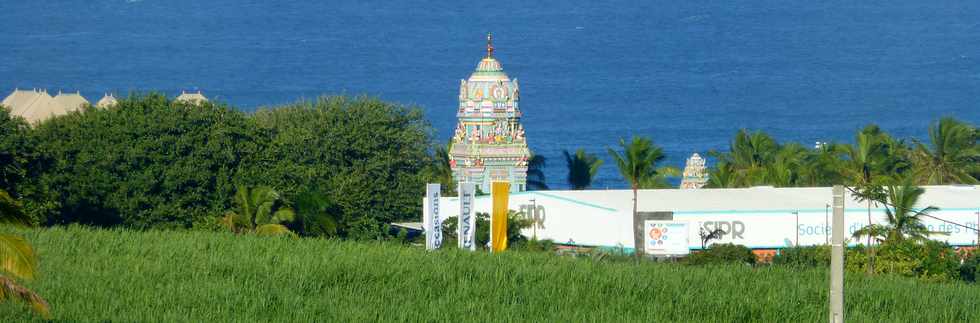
(36, 105)
(193, 98)
(70, 101)
(106, 101)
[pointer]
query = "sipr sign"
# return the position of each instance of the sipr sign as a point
(666, 238)
(466, 228)
(433, 223)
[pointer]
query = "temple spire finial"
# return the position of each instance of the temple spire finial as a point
(489, 45)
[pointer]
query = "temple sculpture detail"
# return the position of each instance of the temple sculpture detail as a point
(489, 143)
(695, 173)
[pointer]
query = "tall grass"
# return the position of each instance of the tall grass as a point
(127, 276)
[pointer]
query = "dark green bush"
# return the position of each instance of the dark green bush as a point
(147, 162)
(970, 268)
(930, 260)
(808, 256)
(16, 151)
(367, 155)
(150, 162)
(723, 253)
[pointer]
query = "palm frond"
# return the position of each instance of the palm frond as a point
(283, 215)
(273, 230)
(9, 289)
(17, 257)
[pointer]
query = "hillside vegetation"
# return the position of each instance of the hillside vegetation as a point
(128, 276)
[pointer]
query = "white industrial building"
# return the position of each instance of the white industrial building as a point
(759, 217)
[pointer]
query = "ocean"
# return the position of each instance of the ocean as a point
(687, 74)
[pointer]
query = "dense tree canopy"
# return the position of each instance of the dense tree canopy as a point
(150, 162)
(367, 155)
(15, 151)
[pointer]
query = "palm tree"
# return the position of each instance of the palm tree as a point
(952, 154)
(316, 215)
(868, 167)
(862, 167)
(748, 156)
(17, 258)
(820, 166)
(722, 176)
(661, 178)
(637, 164)
(904, 221)
(784, 168)
(258, 210)
(582, 168)
(441, 171)
(535, 173)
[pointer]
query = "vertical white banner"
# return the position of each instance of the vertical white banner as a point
(466, 224)
(433, 223)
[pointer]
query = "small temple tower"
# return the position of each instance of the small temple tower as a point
(695, 174)
(489, 143)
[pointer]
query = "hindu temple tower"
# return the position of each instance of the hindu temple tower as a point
(489, 143)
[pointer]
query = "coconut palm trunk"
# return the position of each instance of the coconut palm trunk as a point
(637, 225)
(637, 164)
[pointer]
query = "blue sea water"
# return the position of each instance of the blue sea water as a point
(688, 74)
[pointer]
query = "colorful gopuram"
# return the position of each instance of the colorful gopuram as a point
(489, 143)
(695, 173)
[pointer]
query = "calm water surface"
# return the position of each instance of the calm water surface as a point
(689, 74)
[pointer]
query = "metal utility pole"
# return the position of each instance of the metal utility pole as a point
(837, 259)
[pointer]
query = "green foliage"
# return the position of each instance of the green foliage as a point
(661, 178)
(370, 158)
(438, 170)
(638, 161)
(582, 168)
(258, 210)
(315, 215)
(535, 173)
(722, 253)
(16, 151)
(535, 245)
(924, 259)
(165, 276)
(146, 162)
(951, 156)
(516, 222)
(149, 162)
(17, 258)
(904, 221)
(807, 256)
(970, 268)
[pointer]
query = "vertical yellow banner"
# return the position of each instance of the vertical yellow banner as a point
(498, 220)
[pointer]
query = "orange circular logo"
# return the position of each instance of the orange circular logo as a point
(655, 233)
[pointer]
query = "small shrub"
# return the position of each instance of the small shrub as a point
(725, 253)
(536, 245)
(809, 256)
(970, 268)
(929, 260)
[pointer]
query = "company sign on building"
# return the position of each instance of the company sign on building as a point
(666, 238)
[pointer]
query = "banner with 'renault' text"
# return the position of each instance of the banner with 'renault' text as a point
(466, 224)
